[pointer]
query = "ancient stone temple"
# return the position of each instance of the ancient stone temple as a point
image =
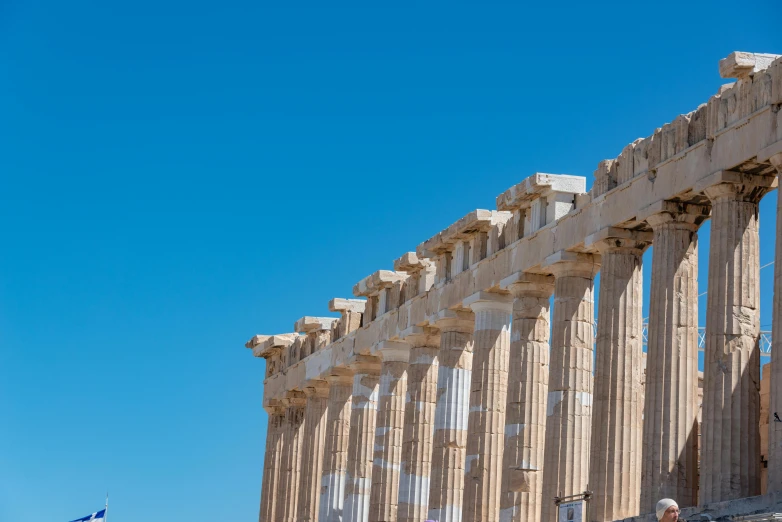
(472, 383)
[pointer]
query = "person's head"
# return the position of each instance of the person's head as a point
(667, 510)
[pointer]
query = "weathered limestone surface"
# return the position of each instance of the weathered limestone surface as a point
(670, 439)
(488, 395)
(335, 453)
(387, 456)
(569, 404)
(419, 422)
(729, 141)
(290, 472)
(525, 417)
(313, 450)
(731, 400)
(615, 455)
(449, 443)
(271, 464)
(358, 481)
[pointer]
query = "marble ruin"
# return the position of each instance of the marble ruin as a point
(451, 391)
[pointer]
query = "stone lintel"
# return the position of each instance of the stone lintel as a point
(316, 388)
(736, 178)
(339, 374)
(339, 304)
(392, 351)
(664, 210)
(537, 185)
(739, 64)
(483, 299)
(373, 284)
(273, 343)
(364, 364)
(256, 340)
(523, 283)
(421, 336)
(615, 237)
(309, 324)
(410, 262)
(294, 398)
(454, 320)
(564, 261)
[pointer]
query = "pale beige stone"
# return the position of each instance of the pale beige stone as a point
(670, 442)
(730, 463)
(290, 472)
(449, 445)
(312, 452)
(525, 420)
(419, 422)
(389, 426)
(335, 452)
(271, 487)
(488, 397)
(569, 403)
(615, 454)
(363, 415)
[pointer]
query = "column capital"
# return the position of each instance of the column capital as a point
(392, 351)
(317, 388)
(420, 336)
(776, 160)
(522, 284)
(340, 375)
(736, 185)
(294, 399)
(572, 264)
(461, 321)
(365, 364)
(611, 239)
(686, 215)
(489, 301)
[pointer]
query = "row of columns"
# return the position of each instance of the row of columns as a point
(481, 417)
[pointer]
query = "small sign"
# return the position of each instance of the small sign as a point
(571, 511)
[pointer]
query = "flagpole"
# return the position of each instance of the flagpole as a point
(106, 513)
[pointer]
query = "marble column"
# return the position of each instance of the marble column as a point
(488, 396)
(291, 457)
(569, 406)
(363, 416)
(271, 464)
(730, 459)
(313, 445)
(449, 441)
(335, 452)
(774, 482)
(670, 444)
(387, 456)
(525, 417)
(419, 424)
(615, 454)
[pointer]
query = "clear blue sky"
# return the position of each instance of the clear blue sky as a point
(178, 176)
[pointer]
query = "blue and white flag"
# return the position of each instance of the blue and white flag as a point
(100, 516)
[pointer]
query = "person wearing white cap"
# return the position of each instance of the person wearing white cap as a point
(667, 510)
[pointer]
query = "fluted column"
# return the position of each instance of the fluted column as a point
(449, 442)
(670, 447)
(291, 457)
(488, 396)
(774, 483)
(730, 458)
(419, 424)
(335, 453)
(387, 456)
(271, 464)
(362, 438)
(569, 406)
(313, 445)
(525, 418)
(615, 454)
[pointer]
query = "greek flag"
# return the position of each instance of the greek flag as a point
(100, 516)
